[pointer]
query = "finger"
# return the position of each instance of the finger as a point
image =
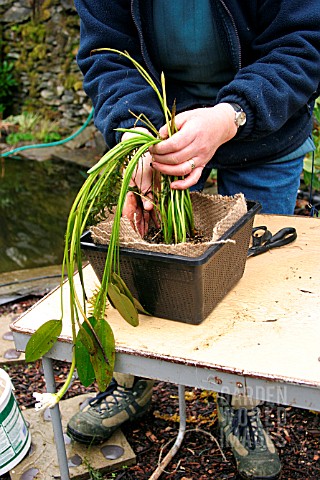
(155, 217)
(149, 195)
(131, 134)
(147, 202)
(175, 158)
(163, 132)
(181, 170)
(143, 175)
(133, 211)
(178, 142)
(142, 222)
(188, 181)
(178, 157)
(139, 222)
(130, 206)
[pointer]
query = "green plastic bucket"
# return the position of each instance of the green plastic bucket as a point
(15, 438)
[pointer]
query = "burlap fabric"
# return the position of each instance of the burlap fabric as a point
(213, 216)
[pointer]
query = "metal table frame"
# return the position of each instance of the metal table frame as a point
(190, 371)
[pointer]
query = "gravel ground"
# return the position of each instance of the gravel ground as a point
(296, 432)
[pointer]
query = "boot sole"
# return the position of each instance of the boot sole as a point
(96, 440)
(245, 477)
(88, 439)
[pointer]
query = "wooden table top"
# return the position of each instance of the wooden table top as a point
(268, 325)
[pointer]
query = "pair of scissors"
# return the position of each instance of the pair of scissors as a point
(263, 240)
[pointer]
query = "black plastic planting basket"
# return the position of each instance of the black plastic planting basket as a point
(176, 287)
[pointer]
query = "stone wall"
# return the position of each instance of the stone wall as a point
(41, 37)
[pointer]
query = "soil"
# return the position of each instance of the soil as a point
(295, 432)
(155, 236)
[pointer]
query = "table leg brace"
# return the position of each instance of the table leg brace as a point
(182, 428)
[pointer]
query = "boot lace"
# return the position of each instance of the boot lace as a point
(111, 396)
(246, 425)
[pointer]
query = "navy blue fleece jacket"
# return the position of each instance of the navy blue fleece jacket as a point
(275, 50)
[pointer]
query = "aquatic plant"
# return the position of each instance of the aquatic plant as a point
(106, 188)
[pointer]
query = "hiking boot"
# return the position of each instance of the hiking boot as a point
(109, 410)
(254, 452)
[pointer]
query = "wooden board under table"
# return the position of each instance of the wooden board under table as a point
(262, 339)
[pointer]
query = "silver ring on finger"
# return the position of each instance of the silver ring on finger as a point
(192, 164)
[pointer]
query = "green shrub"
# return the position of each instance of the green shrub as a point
(31, 127)
(7, 85)
(17, 137)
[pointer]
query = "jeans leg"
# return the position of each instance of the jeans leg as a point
(274, 185)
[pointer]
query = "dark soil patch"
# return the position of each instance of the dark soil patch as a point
(295, 432)
(155, 236)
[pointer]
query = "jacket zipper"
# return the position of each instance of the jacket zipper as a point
(150, 66)
(235, 31)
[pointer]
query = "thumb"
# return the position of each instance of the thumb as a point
(147, 202)
(163, 132)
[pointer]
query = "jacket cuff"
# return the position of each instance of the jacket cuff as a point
(247, 129)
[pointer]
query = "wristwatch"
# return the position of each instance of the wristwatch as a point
(240, 117)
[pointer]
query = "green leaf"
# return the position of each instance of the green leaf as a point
(139, 307)
(84, 348)
(123, 304)
(309, 166)
(43, 339)
(84, 336)
(119, 282)
(103, 370)
(309, 178)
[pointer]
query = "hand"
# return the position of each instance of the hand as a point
(200, 133)
(139, 207)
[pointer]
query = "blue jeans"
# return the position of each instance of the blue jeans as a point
(274, 185)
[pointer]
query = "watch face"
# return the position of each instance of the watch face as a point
(240, 118)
